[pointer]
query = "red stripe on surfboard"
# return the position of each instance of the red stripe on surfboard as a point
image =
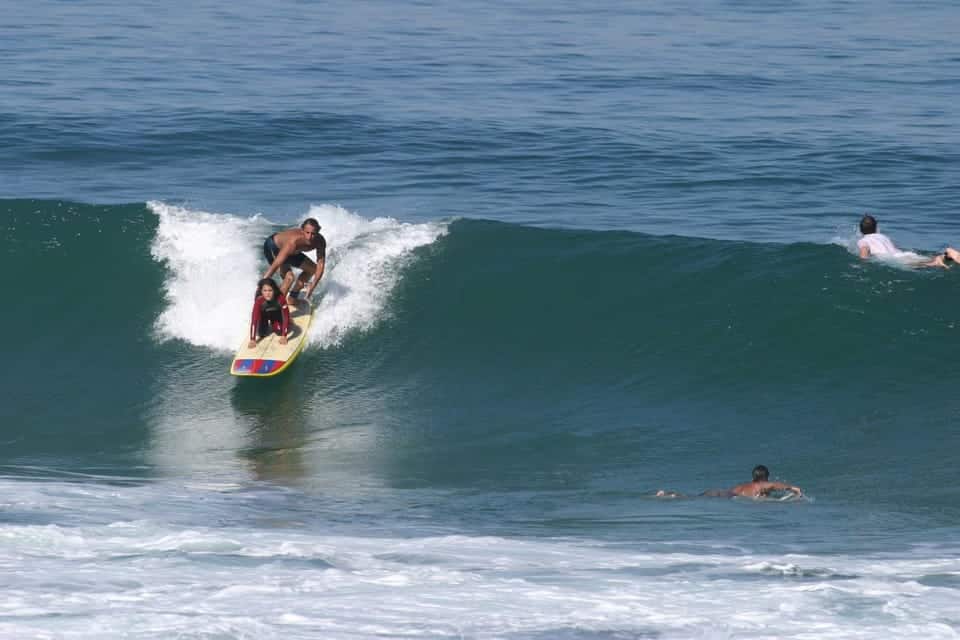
(258, 366)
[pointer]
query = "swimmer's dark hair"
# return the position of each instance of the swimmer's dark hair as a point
(270, 282)
(868, 224)
(311, 222)
(761, 473)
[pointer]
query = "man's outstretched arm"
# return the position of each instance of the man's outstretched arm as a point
(781, 486)
(321, 265)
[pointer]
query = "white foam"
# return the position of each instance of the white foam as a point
(365, 259)
(214, 261)
(212, 270)
(174, 572)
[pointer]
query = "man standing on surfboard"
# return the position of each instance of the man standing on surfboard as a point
(284, 250)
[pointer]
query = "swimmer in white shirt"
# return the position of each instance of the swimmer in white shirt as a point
(874, 244)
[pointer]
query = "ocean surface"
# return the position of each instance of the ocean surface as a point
(578, 252)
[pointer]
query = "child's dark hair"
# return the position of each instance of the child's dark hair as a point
(868, 224)
(270, 282)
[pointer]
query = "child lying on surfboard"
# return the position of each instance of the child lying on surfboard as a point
(270, 313)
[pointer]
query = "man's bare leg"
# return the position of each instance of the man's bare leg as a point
(287, 281)
(941, 259)
(937, 261)
(309, 268)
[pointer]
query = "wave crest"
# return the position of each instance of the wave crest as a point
(213, 262)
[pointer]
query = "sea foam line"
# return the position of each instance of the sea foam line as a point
(165, 573)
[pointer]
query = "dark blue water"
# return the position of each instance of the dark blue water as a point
(577, 254)
(748, 120)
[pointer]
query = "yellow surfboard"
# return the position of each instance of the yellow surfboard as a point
(270, 357)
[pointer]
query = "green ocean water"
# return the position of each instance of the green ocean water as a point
(505, 358)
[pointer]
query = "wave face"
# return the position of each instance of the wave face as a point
(480, 353)
(615, 355)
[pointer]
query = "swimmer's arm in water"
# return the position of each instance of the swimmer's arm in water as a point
(864, 252)
(780, 486)
(662, 493)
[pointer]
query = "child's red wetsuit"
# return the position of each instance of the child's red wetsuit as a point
(269, 316)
